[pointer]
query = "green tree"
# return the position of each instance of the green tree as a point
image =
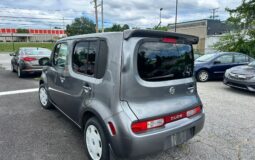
(117, 28)
(163, 28)
(80, 25)
(21, 30)
(242, 38)
(125, 27)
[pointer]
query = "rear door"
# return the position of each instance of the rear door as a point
(241, 59)
(157, 77)
(221, 64)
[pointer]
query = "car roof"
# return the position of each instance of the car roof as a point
(139, 33)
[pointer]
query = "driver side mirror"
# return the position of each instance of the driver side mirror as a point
(12, 54)
(217, 62)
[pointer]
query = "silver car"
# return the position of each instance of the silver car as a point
(28, 60)
(132, 93)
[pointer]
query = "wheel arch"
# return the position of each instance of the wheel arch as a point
(89, 113)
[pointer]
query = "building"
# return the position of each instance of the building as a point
(203, 29)
(30, 35)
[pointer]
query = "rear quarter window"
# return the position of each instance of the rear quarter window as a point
(158, 61)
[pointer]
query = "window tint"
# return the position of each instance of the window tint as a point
(60, 54)
(205, 58)
(84, 57)
(240, 58)
(225, 59)
(164, 61)
(102, 59)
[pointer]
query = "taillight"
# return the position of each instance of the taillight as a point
(169, 40)
(145, 125)
(150, 124)
(28, 59)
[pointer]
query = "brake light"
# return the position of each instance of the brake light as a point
(28, 59)
(150, 124)
(169, 40)
(145, 125)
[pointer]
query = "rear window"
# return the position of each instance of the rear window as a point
(32, 51)
(159, 61)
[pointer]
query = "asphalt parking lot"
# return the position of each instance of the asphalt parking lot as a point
(27, 132)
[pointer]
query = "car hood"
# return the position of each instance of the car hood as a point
(244, 70)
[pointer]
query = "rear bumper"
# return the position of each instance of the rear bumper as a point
(25, 67)
(128, 144)
(239, 84)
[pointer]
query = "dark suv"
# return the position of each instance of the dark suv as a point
(132, 93)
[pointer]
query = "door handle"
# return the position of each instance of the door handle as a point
(87, 89)
(62, 79)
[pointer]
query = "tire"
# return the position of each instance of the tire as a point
(203, 76)
(95, 137)
(44, 98)
(20, 73)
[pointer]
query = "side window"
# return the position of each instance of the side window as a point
(60, 55)
(84, 57)
(225, 59)
(240, 58)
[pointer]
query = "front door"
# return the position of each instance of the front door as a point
(221, 64)
(54, 78)
(77, 87)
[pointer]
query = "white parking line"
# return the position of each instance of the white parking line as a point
(18, 91)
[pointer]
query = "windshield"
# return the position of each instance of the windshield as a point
(252, 64)
(36, 51)
(205, 58)
(164, 61)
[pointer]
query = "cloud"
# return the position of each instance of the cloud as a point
(136, 13)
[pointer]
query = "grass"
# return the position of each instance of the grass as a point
(8, 46)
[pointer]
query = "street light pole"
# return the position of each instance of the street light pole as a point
(176, 11)
(161, 9)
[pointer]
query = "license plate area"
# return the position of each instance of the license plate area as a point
(180, 137)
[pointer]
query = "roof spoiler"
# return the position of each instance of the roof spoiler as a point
(160, 34)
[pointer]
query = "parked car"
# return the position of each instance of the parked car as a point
(29, 60)
(242, 77)
(213, 66)
(132, 93)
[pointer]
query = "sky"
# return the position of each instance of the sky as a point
(135, 13)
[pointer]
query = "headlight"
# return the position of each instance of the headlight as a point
(227, 73)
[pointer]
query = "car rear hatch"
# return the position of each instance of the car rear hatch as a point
(36, 57)
(157, 73)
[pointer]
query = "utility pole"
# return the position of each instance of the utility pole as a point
(176, 12)
(96, 15)
(102, 14)
(213, 16)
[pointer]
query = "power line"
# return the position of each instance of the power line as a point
(37, 18)
(214, 11)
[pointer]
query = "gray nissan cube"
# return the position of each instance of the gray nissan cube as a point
(132, 93)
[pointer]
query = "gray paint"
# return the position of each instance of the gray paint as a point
(122, 98)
